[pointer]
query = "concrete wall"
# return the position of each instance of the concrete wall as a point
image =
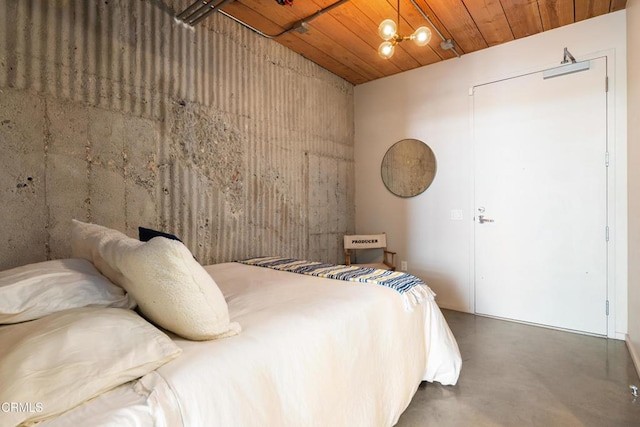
(633, 105)
(112, 113)
(432, 104)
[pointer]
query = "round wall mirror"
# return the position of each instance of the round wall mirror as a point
(408, 168)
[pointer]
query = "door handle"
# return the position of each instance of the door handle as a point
(482, 219)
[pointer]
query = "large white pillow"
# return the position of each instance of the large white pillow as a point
(55, 363)
(36, 290)
(171, 288)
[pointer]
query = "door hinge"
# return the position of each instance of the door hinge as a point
(606, 84)
(607, 307)
(606, 159)
(606, 233)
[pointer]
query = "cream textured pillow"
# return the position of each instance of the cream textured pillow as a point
(171, 288)
(36, 290)
(55, 363)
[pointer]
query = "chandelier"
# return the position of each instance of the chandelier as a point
(388, 31)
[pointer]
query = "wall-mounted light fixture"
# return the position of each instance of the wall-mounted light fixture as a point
(388, 31)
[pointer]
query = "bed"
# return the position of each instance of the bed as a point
(294, 350)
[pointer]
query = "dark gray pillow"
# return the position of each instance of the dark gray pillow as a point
(146, 234)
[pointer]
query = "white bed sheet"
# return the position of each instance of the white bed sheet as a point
(147, 402)
(312, 352)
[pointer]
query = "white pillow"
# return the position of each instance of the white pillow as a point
(36, 290)
(55, 363)
(171, 288)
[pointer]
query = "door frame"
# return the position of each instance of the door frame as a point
(612, 265)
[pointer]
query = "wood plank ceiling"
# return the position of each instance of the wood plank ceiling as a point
(345, 39)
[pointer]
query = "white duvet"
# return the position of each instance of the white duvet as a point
(312, 352)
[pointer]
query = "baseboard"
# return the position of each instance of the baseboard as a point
(453, 307)
(634, 354)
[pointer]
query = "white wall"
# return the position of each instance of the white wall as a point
(633, 70)
(433, 104)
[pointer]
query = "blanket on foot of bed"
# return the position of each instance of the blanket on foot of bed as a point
(412, 289)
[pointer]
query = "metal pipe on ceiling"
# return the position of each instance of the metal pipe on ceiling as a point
(244, 24)
(199, 10)
(213, 9)
(300, 26)
(191, 8)
(447, 44)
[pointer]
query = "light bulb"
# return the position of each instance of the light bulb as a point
(421, 36)
(386, 50)
(387, 29)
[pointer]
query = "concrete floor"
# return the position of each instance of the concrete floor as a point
(520, 375)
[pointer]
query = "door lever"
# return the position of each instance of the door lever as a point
(482, 219)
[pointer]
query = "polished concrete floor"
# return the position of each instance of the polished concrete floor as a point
(520, 375)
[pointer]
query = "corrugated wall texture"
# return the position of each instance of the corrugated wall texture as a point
(112, 113)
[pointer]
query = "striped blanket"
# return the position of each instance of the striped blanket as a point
(412, 289)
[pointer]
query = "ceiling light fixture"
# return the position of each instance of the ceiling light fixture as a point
(388, 31)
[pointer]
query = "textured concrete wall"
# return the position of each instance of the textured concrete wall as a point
(112, 113)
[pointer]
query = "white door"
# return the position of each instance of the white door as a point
(541, 176)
